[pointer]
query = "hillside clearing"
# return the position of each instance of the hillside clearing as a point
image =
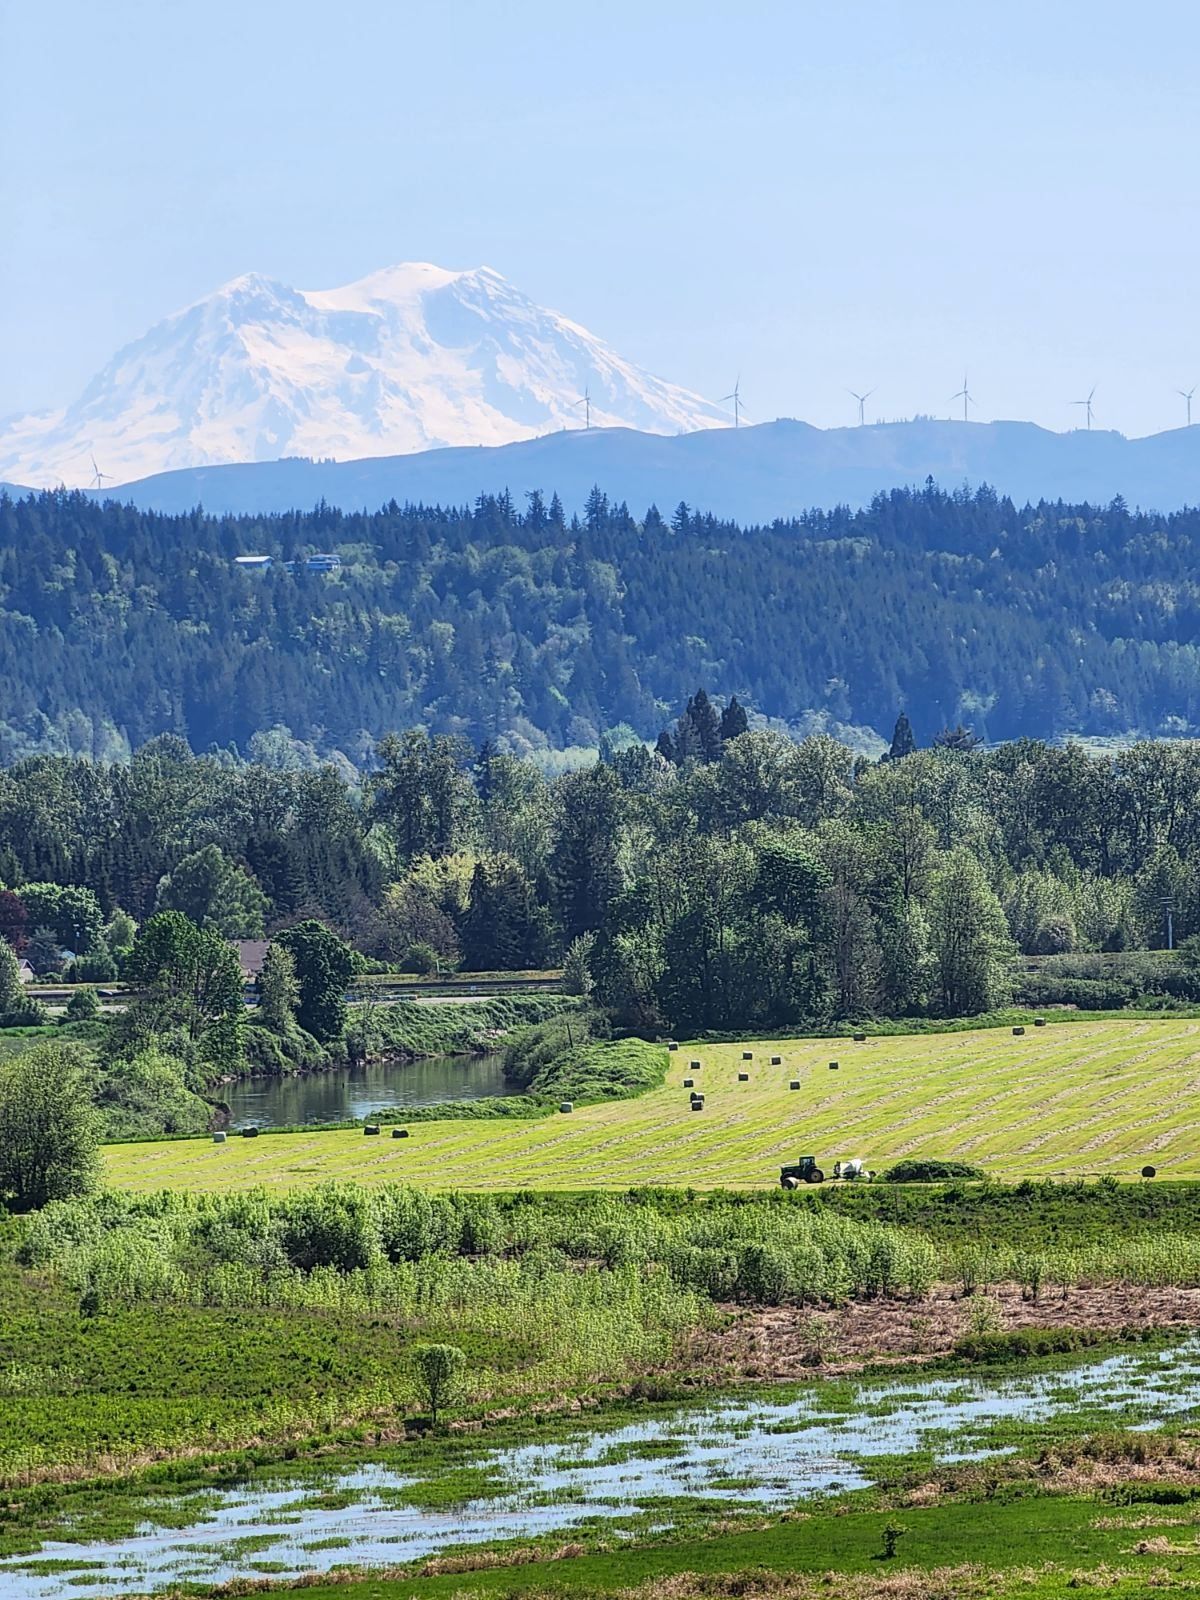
(1077, 1099)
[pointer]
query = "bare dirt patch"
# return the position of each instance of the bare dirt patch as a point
(784, 1342)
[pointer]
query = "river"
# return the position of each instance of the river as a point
(349, 1093)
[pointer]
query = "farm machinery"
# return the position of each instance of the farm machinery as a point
(806, 1170)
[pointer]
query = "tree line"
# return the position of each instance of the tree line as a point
(728, 877)
(518, 624)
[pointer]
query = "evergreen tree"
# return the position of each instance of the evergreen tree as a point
(903, 743)
(43, 953)
(577, 966)
(505, 929)
(585, 860)
(699, 729)
(734, 721)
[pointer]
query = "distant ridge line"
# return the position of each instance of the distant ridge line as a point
(754, 473)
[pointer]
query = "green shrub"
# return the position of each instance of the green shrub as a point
(928, 1169)
(439, 1371)
(83, 1006)
(421, 958)
(97, 966)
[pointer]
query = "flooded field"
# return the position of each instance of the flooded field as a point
(743, 1451)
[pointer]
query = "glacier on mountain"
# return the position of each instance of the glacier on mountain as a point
(410, 358)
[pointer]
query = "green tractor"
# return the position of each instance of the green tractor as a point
(805, 1170)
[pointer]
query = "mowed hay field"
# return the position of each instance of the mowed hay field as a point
(1066, 1100)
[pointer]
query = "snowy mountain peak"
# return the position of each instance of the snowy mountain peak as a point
(408, 358)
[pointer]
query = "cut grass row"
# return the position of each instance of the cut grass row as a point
(1078, 1099)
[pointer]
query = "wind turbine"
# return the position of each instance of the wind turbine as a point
(1087, 404)
(964, 394)
(736, 397)
(98, 477)
(585, 400)
(862, 401)
(1187, 395)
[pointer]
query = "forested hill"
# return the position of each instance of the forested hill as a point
(117, 625)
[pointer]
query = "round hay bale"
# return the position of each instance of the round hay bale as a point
(860, 1038)
(1018, 1032)
(743, 1077)
(747, 1055)
(399, 1133)
(1039, 1022)
(833, 1066)
(795, 1083)
(218, 1137)
(689, 1083)
(567, 1105)
(776, 1061)
(1149, 1172)
(697, 1105)
(671, 1045)
(694, 1065)
(249, 1133)
(370, 1128)
(696, 1095)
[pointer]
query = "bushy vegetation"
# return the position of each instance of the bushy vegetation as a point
(396, 1248)
(48, 1132)
(423, 1028)
(925, 1169)
(559, 1059)
(123, 1318)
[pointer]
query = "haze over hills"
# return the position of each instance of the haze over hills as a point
(406, 359)
(758, 473)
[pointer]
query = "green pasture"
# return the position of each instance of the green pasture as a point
(1072, 1100)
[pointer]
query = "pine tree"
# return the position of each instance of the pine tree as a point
(700, 715)
(734, 721)
(903, 743)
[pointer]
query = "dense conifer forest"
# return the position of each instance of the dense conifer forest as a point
(514, 623)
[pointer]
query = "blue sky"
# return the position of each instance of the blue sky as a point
(814, 196)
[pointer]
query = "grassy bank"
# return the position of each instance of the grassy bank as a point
(1038, 1548)
(1080, 1098)
(430, 1028)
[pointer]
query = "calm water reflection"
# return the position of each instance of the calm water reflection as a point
(351, 1092)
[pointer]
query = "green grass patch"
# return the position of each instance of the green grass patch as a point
(1078, 1099)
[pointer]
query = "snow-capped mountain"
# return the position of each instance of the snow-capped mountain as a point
(406, 359)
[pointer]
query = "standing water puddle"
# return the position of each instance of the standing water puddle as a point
(743, 1451)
